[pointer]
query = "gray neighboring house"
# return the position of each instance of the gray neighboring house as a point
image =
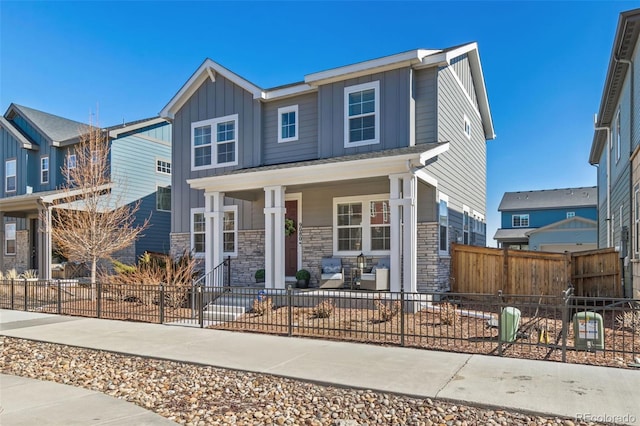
(385, 158)
(614, 150)
(554, 220)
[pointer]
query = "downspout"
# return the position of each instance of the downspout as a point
(608, 149)
(631, 140)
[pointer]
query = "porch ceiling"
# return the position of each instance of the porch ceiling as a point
(346, 168)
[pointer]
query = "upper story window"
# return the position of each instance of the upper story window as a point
(362, 114)
(214, 142)
(571, 214)
(44, 170)
(467, 126)
(163, 198)
(288, 124)
(520, 220)
(10, 175)
(163, 167)
(71, 161)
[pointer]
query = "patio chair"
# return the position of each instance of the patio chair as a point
(331, 273)
(378, 278)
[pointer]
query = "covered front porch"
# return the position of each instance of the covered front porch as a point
(335, 205)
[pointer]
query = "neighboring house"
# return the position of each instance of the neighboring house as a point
(555, 220)
(34, 147)
(614, 151)
(385, 157)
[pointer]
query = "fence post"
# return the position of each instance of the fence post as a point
(98, 300)
(289, 311)
(25, 295)
(500, 307)
(59, 297)
(13, 294)
(402, 316)
(566, 296)
(200, 306)
(161, 303)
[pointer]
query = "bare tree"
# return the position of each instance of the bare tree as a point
(92, 221)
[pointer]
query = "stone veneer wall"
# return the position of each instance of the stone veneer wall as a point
(179, 243)
(250, 257)
(19, 261)
(433, 270)
(317, 242)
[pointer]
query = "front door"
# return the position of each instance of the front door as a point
(291, 238)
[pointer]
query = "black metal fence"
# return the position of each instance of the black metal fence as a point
(603, 331)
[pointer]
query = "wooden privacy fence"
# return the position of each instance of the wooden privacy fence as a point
(593, 273)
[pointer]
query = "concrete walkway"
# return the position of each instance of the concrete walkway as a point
(575, 391)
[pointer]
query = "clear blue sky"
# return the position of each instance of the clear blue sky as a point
(544, 63)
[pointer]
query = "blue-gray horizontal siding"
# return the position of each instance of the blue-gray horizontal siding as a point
(211, 100)
(133, 161)
(393, 110)
(306, 147)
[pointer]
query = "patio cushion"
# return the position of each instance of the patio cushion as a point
(331, 269)
(331, 276)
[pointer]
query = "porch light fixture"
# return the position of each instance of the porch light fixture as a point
(360, 261)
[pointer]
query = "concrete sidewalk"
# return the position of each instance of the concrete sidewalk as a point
(522, 385)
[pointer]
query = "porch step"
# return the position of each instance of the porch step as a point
(222, 313)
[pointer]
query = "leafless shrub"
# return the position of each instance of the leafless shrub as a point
(323, 309)
(629, 320)
(448, 314)
(262, 306)
(387, 310)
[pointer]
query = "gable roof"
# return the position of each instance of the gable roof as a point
(579, 222)
(623, 47)
(24, 142)
(550, 199)
(118, 129)
(419, 58)
(59, 130)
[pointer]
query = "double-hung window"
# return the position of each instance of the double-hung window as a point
(71, 161)
(288, 124)
(362, 224)
(163, 198)
(44, 170)
(10, 175)
(465, 225)
(10, 239)
(214, 142)
(362, 114)
(520, 220)
(229, 231)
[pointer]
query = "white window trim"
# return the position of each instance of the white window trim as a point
(357, 88)
(618, 137)
(479, 222)
(366, 224)
(42, 169)
(571, 214)
(467, 210)
(191, 233)
(14, 239)
(445, 198)
(69, 157)
(158, 165)
(158, 187)
(520, 216)
(467, 125)
(234, 209)
(213, 122)
(284, 110)
(14, 175)
(195, 210)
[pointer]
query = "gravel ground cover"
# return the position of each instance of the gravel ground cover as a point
(196, 395)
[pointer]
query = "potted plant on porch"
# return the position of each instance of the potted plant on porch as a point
(303, 276)
(259, 276)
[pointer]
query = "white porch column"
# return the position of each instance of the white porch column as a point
(213, 228)
(274, 211)
(44, 242)
(404, 225)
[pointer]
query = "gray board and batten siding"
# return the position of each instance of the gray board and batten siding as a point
(393, 111)
(211, 100)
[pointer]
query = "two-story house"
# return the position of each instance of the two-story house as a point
(555, 220)
(385, 157)
(35, 146)
(614, 151)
